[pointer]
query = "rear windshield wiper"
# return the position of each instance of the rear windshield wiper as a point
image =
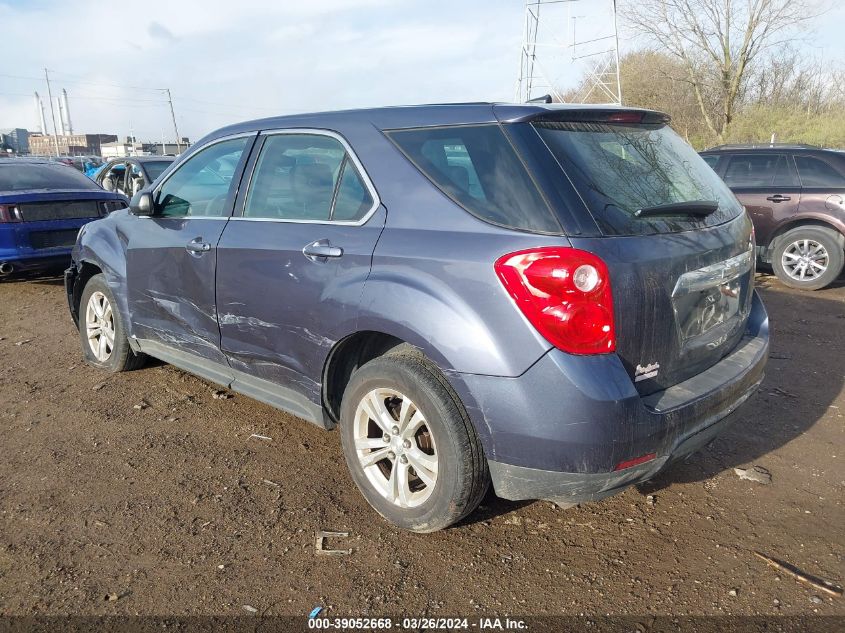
(699, 208)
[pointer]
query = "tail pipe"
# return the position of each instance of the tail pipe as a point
(6, 269)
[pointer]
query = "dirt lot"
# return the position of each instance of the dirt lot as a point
(170, 507)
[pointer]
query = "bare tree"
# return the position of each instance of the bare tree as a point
(718, 42)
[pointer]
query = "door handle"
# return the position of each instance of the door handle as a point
(197, 247)
(321, 250)
(778, 198)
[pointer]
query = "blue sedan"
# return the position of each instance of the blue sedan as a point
(42, 206)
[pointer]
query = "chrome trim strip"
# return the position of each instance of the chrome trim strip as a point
(368, 183)
(714, 275)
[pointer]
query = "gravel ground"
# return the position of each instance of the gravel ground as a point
(143, 493)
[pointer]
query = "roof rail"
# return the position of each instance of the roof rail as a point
(543, 99)
(763, 146)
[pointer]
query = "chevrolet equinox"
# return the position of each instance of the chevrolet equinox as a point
(557, 300)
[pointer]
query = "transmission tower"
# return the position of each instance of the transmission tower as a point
(552, 49)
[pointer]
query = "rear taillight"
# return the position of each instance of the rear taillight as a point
(9, 213)
(565, 294)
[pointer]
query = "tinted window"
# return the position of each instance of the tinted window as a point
(22, 176)
(478, 168)
(752, 170)
(300, 176)
(711, 160)
(201, 185)
(155, 167)
(619, 169)
(353, 200)
(785, 175)
(815, 172)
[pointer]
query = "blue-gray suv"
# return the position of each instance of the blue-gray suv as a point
(555, 299)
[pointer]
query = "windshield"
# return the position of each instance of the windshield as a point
(24, 176)
(155, 167)
(620, 169)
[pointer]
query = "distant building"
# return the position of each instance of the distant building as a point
(16, 139)
(69, 144)
(132, 147)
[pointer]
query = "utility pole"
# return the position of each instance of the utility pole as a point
(173, 116)
(616, 52)
(52, 112)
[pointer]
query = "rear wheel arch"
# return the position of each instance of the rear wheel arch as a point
(345, 357)
(796, 223)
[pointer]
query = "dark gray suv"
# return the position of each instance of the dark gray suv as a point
(555, 299)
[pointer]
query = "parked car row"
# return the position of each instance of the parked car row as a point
(44, 203)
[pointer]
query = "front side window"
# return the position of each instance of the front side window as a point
(815, 172)
(306, 177)
(478, 168)
(201, 186)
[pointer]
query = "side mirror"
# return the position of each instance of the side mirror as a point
(142, 203)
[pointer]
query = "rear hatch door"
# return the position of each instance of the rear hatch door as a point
(676, 241)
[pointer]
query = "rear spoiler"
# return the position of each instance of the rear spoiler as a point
(534, 113)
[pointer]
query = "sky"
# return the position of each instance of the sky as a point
(232, 60)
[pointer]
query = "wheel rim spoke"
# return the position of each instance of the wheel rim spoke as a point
(417, 420)
(425, 466)
(373, 457)
(374, 407)
(403, 488)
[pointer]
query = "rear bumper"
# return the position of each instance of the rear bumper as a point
(20, 247)
(21, 263)
(559, 430)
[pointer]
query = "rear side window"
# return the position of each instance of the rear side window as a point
(753, 170)
(815, 172)
(306, 177)
(477, 167)
(619, 169)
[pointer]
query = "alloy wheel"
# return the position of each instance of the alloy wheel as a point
(395, 447)
(805, 260)
(99, 326)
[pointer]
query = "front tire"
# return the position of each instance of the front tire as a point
(808, 257)
(101, 330)
(409, 444)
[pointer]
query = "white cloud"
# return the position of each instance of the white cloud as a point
(227, 61)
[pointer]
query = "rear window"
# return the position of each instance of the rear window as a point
(478, 168)
(619, 169)
(24, 176)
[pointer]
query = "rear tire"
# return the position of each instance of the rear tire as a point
(101, 330)
(808, 257)
(409, 443)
